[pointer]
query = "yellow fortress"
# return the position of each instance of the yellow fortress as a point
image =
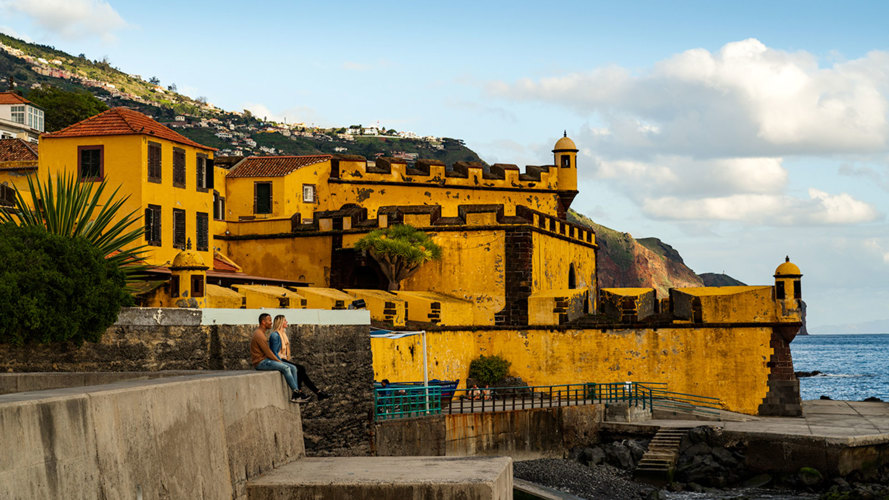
(515, 279)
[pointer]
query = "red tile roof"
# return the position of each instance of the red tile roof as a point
(13, 98)
(273, 166)
(17, 150)
(123, 121)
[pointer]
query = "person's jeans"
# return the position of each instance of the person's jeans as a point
(302, 376)
(288, 370)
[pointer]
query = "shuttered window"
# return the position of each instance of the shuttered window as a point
(262, 198)
(202, 236)
(201, 169)
(154, 162)
(153, 225)
(179, 228)
(178, 167)
(218, 206)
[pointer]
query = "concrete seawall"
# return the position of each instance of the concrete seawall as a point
(198, 436)
(333, 345)
(520, 434)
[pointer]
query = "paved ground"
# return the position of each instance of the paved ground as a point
(843, 422)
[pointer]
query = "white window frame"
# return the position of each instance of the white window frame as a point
(308, 193)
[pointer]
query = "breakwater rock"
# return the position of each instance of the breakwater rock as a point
(597, 481)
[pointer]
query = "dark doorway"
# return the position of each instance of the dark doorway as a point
(572, 278)
(354, 269)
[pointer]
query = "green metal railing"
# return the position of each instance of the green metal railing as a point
(406, 401)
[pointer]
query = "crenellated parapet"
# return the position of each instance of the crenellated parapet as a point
(356, 169)
(426, 217)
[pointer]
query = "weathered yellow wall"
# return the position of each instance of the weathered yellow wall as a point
(126, 165)
(734, 304)
(300, 259)
(471, 268)
(727, 363)
(374, 196)
(552, 260)
(240, 197)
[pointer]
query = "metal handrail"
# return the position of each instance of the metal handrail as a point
(405, 402)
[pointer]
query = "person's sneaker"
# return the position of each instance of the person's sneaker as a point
(322, 395)
(299, 397)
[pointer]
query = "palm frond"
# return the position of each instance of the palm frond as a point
(71, 208)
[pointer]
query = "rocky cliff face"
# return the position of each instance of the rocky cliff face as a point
(627, 262)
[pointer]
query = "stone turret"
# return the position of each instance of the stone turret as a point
(788, 291)
(188, 283)
(565, 161)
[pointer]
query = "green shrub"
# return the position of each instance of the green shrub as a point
(56, 288)
(488, 369)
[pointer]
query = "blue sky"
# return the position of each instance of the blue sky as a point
(738, 132)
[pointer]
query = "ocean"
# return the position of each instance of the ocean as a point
(853, 367)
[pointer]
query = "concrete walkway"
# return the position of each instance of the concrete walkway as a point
(849, 423)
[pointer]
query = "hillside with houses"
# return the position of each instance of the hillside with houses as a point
(25, 66)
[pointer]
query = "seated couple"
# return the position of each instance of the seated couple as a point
(270, 350)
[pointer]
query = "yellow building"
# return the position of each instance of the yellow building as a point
(515, 278)
(504, 237)
(168, 178)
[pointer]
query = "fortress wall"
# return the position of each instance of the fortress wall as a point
(306, 258)
(182, 437)
(472, 267)
(336, 354)
(372, 195)
(730, 363)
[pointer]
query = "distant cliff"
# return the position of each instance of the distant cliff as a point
(627, 262)
(718, 279)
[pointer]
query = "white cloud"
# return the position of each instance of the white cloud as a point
(681, 175)
(70, 18)
(12, 32)
(294, 114)
(779, 210)
(745, 99)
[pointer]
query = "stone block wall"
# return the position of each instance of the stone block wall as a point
(197, 437)
(337, 357)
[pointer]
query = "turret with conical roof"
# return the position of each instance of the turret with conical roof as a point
(188, 282)
(565, 160)
(788, 291)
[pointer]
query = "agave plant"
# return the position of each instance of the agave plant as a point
(78, 209)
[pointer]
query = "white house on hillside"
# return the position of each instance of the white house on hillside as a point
(19, 118)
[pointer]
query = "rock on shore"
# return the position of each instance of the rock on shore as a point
(595, 481)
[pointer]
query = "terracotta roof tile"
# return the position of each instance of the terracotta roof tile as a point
(123, 121)
(13, 98)
(17, 150)
(273, 166)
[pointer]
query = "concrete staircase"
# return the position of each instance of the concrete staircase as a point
(657, 464)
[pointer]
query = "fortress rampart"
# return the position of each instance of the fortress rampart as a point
(357, 170)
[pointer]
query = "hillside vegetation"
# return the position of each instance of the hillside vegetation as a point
(28, 67)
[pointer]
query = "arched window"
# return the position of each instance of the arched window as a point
(572, 278)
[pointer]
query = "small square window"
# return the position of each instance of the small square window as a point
(308, 193)
(90, 162)
(197, 285)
